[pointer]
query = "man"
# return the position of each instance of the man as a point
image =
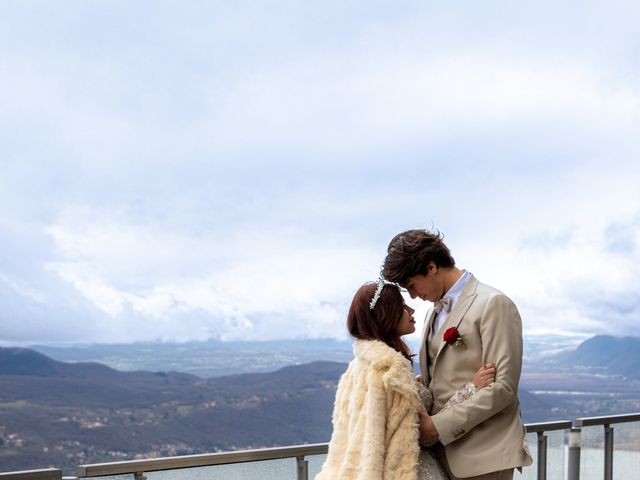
(483, 437)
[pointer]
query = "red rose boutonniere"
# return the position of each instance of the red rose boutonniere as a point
(452, 337)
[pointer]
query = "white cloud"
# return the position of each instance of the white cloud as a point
(575, 283)
(258, 285)
(231, 170)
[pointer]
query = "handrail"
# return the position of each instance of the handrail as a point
(200, 460)
(548, 426)
(298, 451)
(42, 474)
(606, 420)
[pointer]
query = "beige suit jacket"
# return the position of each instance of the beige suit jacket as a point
(484, 433)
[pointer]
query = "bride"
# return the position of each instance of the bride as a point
(379, 403)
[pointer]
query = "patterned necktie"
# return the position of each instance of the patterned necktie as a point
(442, 304)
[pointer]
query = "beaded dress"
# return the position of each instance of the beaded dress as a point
(429, 467)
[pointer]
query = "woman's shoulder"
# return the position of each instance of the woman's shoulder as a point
(388, 364)
(380, 355)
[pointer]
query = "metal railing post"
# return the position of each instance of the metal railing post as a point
(303, 468)
(608, 452)
(573, 454)
(542, 456)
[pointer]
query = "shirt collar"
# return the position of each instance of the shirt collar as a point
(455, 291)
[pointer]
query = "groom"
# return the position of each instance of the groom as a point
(483, 437)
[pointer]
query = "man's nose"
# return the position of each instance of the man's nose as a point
(412, 294)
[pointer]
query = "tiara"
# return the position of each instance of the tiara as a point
(376, 295)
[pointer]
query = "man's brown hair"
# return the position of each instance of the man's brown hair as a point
(410, 252)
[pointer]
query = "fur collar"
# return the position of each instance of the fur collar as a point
(396, 370)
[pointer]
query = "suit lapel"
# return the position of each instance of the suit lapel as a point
(424, 347)
(467, 296)
(429, 323)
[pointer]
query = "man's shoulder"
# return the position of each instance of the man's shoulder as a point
(487, 292)
(490, 298)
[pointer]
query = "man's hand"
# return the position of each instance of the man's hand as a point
(428, 433)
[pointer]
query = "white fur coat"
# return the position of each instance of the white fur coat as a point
(375, 418)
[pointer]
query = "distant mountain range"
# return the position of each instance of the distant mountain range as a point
(605, 354)
(215, 358)
(66, 414)
(206, 359)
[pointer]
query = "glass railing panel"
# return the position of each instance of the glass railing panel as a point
(315, 464)
(280, 469)
(592, 453)
(128, 476)
(626, 452)
(555, 455)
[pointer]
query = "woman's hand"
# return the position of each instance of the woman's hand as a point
(484, 376)
(428, 431)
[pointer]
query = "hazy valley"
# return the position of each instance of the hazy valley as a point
(65, 414)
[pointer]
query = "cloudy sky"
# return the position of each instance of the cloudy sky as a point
(190, 170)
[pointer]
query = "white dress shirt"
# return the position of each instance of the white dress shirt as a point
(453, 293)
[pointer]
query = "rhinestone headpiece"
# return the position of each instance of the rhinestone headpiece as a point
(376, 295)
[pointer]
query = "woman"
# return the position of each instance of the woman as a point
(378, 401)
